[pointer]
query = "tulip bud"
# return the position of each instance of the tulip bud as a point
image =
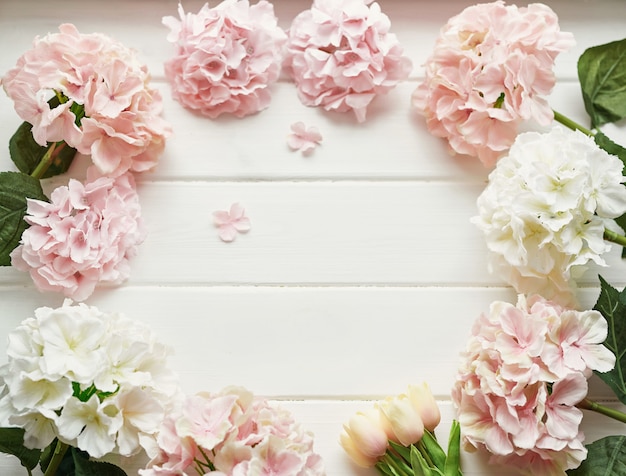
(425, 404)
(365, 430)
(404, 420)
(354, 452)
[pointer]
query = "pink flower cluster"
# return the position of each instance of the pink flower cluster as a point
(85, 235)
(226, 57)
(232, 433)
(491, 69)
(341, 55)
(524, 370)
(100, 81)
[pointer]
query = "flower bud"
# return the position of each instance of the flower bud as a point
(425, 404)
(404, 420)
(353, 451)
(364, 434)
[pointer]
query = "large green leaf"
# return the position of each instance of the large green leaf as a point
(612, 304)
(15, 187)
(85, 467)
(602, 75)
(12, 442)
(606, 457)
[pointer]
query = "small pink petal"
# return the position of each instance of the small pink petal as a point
(236, 211)
(221, 217)
(231, 222)
(242, 225)
(227, 232)
(303, 139)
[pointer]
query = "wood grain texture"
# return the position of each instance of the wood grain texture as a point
(361, 273)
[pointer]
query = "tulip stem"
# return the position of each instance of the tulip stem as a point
(573, 125)
(390, 461)
(587, 404)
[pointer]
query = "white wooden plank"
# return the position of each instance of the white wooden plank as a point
(375, 233)
(416, 24)
(393, 144)
(300, 342)
(325, 420)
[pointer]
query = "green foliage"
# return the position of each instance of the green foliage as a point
(26, 153)
(606, 457)
(12, 442)
(611, 147)
(83, 466)
(612, 305)
(602, 75)
(15, 187)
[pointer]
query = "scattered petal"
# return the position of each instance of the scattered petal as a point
(228, 223)
(303, 139)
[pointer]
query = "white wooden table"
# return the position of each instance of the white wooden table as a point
(361, 273)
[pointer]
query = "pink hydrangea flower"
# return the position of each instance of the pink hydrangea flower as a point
(226, 57)
(523, 372)
(102, 82)
(234, 433)
(85, 236)
(303, 138)
(231, 222)
(491, 70)
(341, 55)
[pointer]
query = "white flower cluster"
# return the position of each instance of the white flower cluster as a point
(96, 381)
(545, 210)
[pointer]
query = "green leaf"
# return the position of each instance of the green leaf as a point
(453, 461)
(429, 445)
(611, 147)
(605, 457)
(384, 469)
(403, 451)
(15, 187)
(602, 75)
(85, 467)
(612, 305)
(419, 464)
(26, 153)
(12, 442)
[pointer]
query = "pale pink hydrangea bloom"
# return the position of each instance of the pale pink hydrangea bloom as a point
(524, 369)
(226, 58)
(341, 55)
(303, 138)
(491, 70)
(231, 222)
(122, 128)
(233, 433)
(84, 236)
(545, 210)
(59, 354)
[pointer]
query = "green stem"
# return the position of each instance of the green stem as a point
(401, 469)
(420, 446)
(47, 159)
(566, 121)
(587, 404)
(614, 237)
(59, 452)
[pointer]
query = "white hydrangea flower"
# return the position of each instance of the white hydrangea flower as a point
(545, 210)
(96, 381)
